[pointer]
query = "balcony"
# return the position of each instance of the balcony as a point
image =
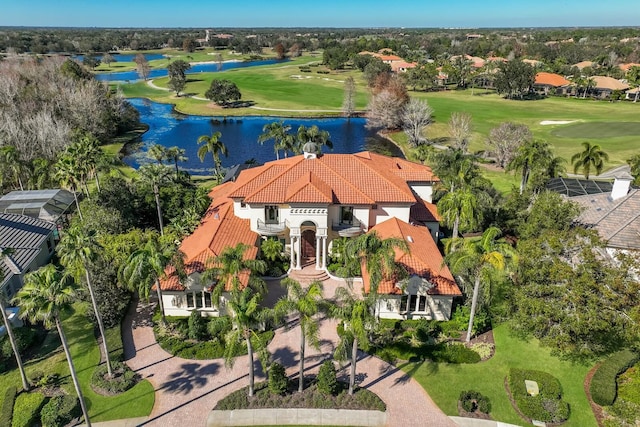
(350, 229)
(271, 229)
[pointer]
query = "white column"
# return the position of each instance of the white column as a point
(324, 252)
(318, 242)
(292, 238)
(299, 254)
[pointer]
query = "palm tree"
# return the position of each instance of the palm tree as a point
(213, 145)
(12, 339)
(176, 154)
(146, 266)
(40, 173)
(11, 161)
(355, 314)
(530, 155)
(634, 166)
(45, 295)
(157, 152)
(459, 208)
(155, 175)
(377, 256)
(479, 256)
(75, 155)
(92, 156)
(279, 132)
(455, 168)
(68, 176)
(315, 135)
(247, 314)
(77, 250)
(305, 304)
(592, 155)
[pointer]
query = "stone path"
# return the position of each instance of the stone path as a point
(187, 390)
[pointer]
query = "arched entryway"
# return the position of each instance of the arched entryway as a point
(308, 246)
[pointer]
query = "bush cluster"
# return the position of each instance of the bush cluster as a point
(59, 411)
(327, 380)
(123, 378)
(455, 353)
(197, 326)
(25, 338)
(603, 386)
(278, 380)
(548, 405)
(27, 408)
(484, 349)
(7, 406)
(472, 401)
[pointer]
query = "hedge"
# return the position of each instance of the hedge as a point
(548, 405)
(26, 410)
(603, 386)
(59, 411)
(7, 406)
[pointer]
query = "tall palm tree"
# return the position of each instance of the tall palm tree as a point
(77, 250)
(157, 152)
(175, 154)
(68, 176)
(92, 156)
(10, 160)
(479, 256)
(212, 144)
(12, 339)
(278, 132)
(40, 169)
(155, 175)
(455, 168)
(247, 315)
(146, 266)
(45, 295)
(377, 256)
(77, 158)
(355, 314)
(305, 304)
(459, 208)
(591, 156)
(529, 156)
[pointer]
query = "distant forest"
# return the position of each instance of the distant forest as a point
(550, 45)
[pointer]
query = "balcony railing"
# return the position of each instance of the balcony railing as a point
(271, 229)
(353, 228)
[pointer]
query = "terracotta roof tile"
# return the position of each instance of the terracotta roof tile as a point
(424, 258)
(609, 83)
(309, 187)
(424, 211)
(551, 79)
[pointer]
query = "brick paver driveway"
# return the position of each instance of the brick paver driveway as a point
(187, 390)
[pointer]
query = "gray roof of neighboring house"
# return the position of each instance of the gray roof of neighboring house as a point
(48, 205)
(617, 221)
(24, 235)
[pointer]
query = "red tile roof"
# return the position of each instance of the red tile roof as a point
(424, 259)
(358, 179)
(424, 211)
(551, 79)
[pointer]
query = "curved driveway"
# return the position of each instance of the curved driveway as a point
(186, 390)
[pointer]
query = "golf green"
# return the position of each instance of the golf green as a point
(596, 130)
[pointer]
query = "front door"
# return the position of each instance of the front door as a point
(308, 244)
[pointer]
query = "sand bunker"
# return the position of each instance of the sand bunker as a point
(556, 122)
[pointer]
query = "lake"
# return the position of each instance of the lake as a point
(210, 67)
(240, 135)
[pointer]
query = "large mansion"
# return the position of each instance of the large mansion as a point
(307, 202)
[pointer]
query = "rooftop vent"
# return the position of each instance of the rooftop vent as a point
(410, 239)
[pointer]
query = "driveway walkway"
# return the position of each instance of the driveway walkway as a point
(187, 390)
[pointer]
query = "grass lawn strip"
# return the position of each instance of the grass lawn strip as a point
(444, 382)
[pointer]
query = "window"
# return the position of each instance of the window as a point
(422, 303)
(190, 298)
(207, 300)
(346, 215)
(403, 303)
(198, 300)
(243, 204)
(413, 303)
(271, 214)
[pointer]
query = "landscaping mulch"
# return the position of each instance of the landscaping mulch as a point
(598, 413)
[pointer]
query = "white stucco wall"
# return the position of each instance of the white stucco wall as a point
(384, 212)
(425, 191)
(438, 307)
(175, 304)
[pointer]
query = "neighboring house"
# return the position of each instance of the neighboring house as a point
(306, 202)
(53, 205)
(633, 94)
(546, 82)
(626, 67)
(583, 64)
(604, 86)
(402, 66)
(32, 243)
(611, 209)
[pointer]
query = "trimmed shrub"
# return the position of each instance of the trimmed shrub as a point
(327, 380)
(603, 386)
(548, 385)
(484, 349)
(26, 410)
(7, 406)
(25, 338)
(123, 378)
(59, 411)
(455, 353)
(278, 380)
(197, 326)
(472, 401)
(548, 405)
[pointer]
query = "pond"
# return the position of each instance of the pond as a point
(209, 67)
(240, 135)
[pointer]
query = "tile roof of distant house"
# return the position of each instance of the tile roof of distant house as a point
(423, 259)
(609, 83)
(551, 79)
(358, 179)
(583, 64)
(627, 67)
(396, 66)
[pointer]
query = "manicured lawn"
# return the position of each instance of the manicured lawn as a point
(444, 382)
(136, 402)
(597, 130)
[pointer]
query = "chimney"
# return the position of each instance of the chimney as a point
(621, 185)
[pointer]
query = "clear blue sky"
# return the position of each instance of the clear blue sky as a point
(319, 13)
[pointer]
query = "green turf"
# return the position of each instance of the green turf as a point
(444, 382)
(136, 402)
(597, 130)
